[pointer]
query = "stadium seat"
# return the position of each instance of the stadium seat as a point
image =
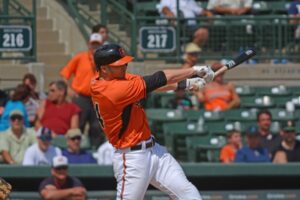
(272, 91)
(245, 90)
(59, 141)
(260, 8)
(204, 148)
(240, 115)
(193, 115)
(280, 101)
(257, 102)
(281, 115)
(213, 116)
(175, 134)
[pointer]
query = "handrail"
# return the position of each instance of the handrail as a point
(17, 6)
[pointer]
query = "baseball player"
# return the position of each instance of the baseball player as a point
(138, 159)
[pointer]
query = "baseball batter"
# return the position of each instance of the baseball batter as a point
(138, 159)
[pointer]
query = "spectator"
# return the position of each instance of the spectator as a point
(105, 154)
(56, 112)
(43, 152)
(82, 66)
(20, 96)
(60, 185)
(73, 152)
(253, 152)
(294, 11)
(268, 140)
(15, 140)
(102, 30)
(181, 101)
(191, 55)
(289, 149)
(189, 9)
(32, 104)
(218, 95)
(234, 143)
(230, 7)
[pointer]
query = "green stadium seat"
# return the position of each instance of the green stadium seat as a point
(294, 90)
(193, 115)
(204, 148)
(60, 141)
(244, 90)
(281, 115)
(280, 101)
(260, 8)
(257, 102)
(175, 134)
(272, 91)
(240, 115)
(213, 116)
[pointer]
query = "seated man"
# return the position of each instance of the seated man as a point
(230, 7)
(43, 152)
(73, 152)
(189, 9)
(289, 149)
(60, 185)
(218, 95)
(181, 101)
(191, 55)
(253, 152)
(56, 112)
(15, 140)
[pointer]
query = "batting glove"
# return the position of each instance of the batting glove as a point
(195, 84)
(205, 72)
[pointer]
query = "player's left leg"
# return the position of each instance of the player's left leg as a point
(171, 179)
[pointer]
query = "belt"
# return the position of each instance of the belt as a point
(140, 146)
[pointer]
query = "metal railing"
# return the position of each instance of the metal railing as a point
(14, 14)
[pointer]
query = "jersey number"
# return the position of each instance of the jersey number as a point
(98, 115)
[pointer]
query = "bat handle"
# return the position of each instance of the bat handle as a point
(221, 70)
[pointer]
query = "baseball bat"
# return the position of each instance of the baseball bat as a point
(236, 61)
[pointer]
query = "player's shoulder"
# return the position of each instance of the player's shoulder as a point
(129, 76)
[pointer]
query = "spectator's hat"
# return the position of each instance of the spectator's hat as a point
(44, 134)
(96, 37)
(72, 133)
(59, 161)
(192, 48)
(288, 126)
(252, 131)
(16, 113)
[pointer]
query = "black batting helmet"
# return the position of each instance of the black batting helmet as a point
(112, 55)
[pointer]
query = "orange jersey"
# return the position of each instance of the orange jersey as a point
(227, 153)
(217, 97)
(117, 105)
(83, 68)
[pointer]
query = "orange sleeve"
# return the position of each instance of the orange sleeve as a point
(128, 91)
(70, 68)
(225, 153)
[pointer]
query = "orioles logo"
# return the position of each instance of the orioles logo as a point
(122, 52)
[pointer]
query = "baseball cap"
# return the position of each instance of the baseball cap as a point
(192, 48)
(44, 134)
(75, 132)
(60, 161)
(252, 131)
(96, 37)
(288, 126)
(16, 112)
(112, 55)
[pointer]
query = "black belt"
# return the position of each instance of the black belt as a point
(140, 146)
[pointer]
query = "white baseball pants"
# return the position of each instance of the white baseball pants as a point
(135, 170)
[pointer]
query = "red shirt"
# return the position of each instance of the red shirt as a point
(58, 117)
(114, 98)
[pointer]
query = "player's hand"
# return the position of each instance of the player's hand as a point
(5, 189)
(195, 84)
(204, 72)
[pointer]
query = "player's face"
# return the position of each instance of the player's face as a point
(117, 72)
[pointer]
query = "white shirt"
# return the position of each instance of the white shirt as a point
(35, 156)
(189, 8)
(229, 4)
(105, 154)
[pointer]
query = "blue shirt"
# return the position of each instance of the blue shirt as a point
(294, 8)
(82, 157)
(247, 154)
(10, 106)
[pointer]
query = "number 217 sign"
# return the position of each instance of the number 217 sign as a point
(157, 39)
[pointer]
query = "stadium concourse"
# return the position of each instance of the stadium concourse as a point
(204, 131)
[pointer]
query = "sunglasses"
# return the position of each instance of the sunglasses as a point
(16, 117)
(76, 138)
(61, 168)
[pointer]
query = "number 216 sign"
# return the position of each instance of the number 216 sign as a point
(157, 38)
(15, 38)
